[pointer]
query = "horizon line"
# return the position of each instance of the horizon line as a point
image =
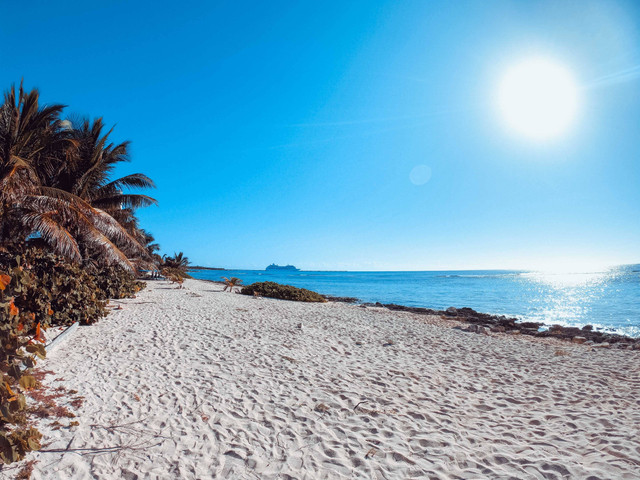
(568, 270)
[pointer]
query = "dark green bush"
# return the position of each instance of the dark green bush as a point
(39, 289)
(21, 341)
(62, 293)
(284, 292)
(67, 291)
(115, 282)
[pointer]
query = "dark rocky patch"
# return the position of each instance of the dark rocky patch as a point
(482, 322)
(331, 298)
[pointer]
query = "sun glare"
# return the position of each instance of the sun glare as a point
(538, 98)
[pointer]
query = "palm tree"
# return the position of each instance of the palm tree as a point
(150, 245)
(175, 267)
(87, 175)
(177, 261)
(30, 136)
(149, 242)
(231, 283)
(39, 156)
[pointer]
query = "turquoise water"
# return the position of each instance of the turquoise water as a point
(608, 299)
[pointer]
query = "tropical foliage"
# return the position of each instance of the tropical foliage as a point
(39, 289)
(177, 261)
(284, 292)
(59, 292)
(175, 267)
(231, 283)
(150, 245)
(115, 282)
(69, 240)
(22, 343)
(56, 185)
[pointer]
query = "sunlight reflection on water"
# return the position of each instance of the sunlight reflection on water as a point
(565, 280)
(575, 299)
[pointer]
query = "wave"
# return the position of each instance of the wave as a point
(480, 275)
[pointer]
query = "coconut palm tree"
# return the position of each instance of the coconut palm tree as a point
(30, 136)
(177, 261)
(149, 242)
(37, 150)
(87, 174)
(231, 283)
(175, 267)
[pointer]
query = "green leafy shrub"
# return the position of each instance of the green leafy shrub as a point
(21, 342)
(56, 292)
(34, 309)
(62, 293)
(115, 282)
(284, 292)
(38, 289)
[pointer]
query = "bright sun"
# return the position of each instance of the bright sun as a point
(538, 98)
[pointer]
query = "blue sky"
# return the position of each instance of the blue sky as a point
(287, 131)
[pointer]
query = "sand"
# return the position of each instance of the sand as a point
(197, 383)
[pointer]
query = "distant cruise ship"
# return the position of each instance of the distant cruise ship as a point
(291, 268)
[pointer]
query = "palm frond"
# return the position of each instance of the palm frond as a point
(54, 234)
(125, 201)
(108, 251)
(135, 180)
(56, 183)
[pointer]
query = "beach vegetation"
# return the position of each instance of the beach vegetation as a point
(115, 282)
(56, 185)
(21, 344)
(175, 274)
(283, 292)
(149, 243)
(178, 261)
(175, 267)
(69, 240)
(38, 289)
(52, 291)
(231, 283)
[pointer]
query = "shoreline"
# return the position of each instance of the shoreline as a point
(513, 325)
(200, 383)
(499, 323)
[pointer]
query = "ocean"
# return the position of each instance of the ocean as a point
(607, 299)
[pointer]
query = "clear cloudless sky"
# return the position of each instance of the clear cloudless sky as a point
(288, 132)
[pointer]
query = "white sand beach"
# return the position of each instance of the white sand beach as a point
(197, 383)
